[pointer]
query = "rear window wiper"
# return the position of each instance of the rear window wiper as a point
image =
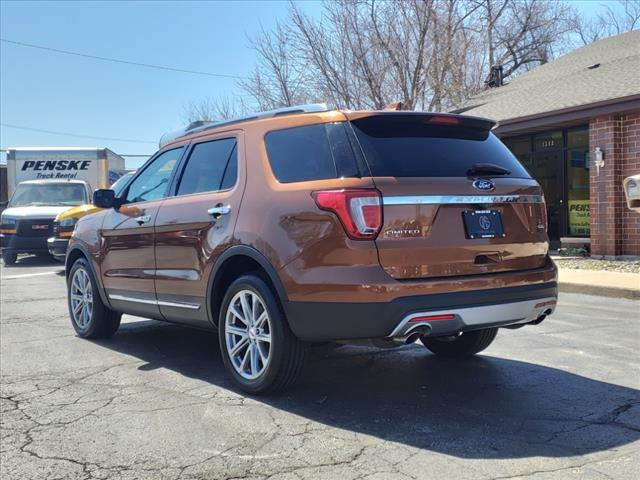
(487, 169)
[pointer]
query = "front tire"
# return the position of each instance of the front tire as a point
(259, 351)
(467, 344)
(9, 258)
(89, 316)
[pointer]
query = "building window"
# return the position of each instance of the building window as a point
(578, 182)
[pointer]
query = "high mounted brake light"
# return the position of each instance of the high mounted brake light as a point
(443, 120)
(359, 210)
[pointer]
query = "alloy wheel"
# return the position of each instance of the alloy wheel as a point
(248, 334)
(81, 298)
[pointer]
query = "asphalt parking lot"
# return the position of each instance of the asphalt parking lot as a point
(560, 400)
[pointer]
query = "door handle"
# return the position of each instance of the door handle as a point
(219, 210)
(143, 219)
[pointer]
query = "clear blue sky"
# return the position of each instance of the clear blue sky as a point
(52, 91)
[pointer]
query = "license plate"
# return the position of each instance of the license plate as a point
(483, 224)
(39, 227)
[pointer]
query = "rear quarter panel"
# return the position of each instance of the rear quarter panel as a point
(282, 221)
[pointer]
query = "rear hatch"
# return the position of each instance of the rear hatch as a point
(455, 200)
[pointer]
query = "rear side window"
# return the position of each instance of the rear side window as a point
(211, 166)
(311, 152)
(406, 146)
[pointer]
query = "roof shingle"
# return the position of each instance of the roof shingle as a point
(566, 82)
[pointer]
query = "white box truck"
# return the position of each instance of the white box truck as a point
(45, 181)
(99, 167)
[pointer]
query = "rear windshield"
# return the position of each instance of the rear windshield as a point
(405, 146)
(70, 194)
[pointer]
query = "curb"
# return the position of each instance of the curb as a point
(612, 292)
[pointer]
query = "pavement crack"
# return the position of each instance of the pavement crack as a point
(559, 469)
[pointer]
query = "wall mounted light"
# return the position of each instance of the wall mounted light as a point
(598, 159)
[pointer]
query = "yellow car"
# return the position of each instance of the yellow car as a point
(65, 222)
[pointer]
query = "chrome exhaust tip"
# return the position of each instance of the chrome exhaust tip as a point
(417, 333)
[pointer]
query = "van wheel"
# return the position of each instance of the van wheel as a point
(259, 351)
(89, 316)
(467, 344)
(9, 258)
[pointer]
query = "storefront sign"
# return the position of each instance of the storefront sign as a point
(579, 217)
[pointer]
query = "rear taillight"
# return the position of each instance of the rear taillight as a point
(545, 220)
(431, 318)
(359, 210)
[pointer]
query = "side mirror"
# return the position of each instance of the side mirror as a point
(105, 198)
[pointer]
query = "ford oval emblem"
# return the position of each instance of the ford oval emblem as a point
(483, 185)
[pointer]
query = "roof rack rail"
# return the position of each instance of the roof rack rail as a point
(200, 125)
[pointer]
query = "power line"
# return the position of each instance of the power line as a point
(134, 155)
(116, 60)
(53, 132)
(4, 150)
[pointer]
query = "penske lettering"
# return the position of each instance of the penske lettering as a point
(44, 165)
(56, 169)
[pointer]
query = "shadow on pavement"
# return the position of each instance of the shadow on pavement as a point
(28, 261)
(483, 407)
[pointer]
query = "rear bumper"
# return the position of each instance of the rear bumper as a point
(464, 319)
(12, 243)
(472, 310)
(58, 246)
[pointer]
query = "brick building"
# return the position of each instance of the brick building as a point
(559, 119)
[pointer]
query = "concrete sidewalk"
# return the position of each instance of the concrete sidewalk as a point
(599, 282)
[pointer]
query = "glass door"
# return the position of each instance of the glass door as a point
(548, 170)
(558, 160)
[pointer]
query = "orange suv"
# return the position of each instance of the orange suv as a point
(306, 225)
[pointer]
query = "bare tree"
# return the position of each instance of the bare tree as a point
(523, 34)
(214, 109)
(278, 79)
(428, 54)
(612, 20)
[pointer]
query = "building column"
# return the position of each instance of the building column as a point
(630, 165)
(606, 195)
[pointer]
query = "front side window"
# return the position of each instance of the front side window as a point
(211, 166)
(119, 185)
(152, 183)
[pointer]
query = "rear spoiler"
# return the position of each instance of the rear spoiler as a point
(430, 118)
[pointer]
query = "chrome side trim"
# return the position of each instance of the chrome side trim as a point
(190, 306)
(161, 303)
(460, 199)
(131, 299)
(507, 313)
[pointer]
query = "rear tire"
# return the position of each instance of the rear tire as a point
(467, 344)
(89, 316)
(259, 350)
(9, 258)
